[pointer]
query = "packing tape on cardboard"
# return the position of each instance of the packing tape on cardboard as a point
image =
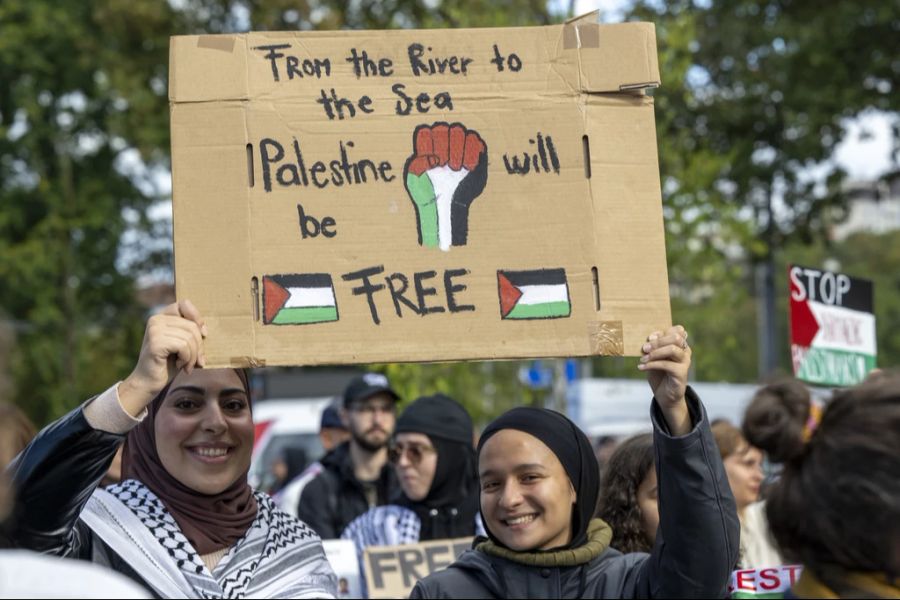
(225, 43)
(584, 35)
(606, 337)
(246, 362)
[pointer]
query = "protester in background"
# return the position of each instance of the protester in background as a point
(288, 464)
(184, 522)
(434, 457)
(743, 464)
(771, 415)
(16, 430)
(604, 449)
(763, 426)
(356, 475)
(835, 508)
(628, 495)
(332, 431)
(539, 488)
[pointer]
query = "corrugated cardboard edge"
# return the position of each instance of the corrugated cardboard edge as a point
(605, 333)
(217, 51)
(652, 63)
(586, 35)
(607, 337)
(246, 362)
(220, 51)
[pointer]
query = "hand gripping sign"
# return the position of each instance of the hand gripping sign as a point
(447, 171)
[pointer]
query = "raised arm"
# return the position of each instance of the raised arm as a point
(173, 341)
(667, 360)
(56, 474)
(697, 542)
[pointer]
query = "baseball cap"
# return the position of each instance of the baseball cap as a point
(331, 418)
(367, 385)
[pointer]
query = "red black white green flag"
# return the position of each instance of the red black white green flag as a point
(832, 326)
(538, 294)
(298, 299)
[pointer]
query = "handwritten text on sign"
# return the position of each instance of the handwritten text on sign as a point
(392, 571)
(334, 188)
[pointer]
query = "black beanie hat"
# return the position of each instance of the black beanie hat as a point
(573, 449)
(437, 416)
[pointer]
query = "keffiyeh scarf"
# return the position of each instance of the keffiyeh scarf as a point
(278, 557)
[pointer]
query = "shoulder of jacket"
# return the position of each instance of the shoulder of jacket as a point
(439, 583)
(324, 482)
(613, 556)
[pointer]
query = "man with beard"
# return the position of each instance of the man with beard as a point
(356, 475)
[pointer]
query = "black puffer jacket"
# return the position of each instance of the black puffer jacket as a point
(54, 478)
(335, 497)
(696, 545)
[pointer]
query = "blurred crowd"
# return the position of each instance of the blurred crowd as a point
(148, 481)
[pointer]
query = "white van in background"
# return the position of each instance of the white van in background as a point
(284, 423)
(621, 407)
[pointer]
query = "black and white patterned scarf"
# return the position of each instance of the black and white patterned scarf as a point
(278, 557)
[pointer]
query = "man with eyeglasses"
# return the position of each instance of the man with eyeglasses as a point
(356, 475)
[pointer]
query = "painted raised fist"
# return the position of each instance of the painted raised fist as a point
(446, 172)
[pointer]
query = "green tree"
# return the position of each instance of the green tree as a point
(83, 118)
(84, 90)
(875, 257)
(753, 97)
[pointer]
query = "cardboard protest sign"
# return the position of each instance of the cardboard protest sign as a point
(772, 582)
(832, 327)
(392, 571)
(365, 196)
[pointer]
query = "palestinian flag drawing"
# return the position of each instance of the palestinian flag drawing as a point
(298, 299)
(540, 294)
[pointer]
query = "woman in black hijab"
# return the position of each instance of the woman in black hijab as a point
(556, 481)
(539, 488)
(433, 454)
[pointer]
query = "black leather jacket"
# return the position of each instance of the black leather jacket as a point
(696, 544)
(54, 477)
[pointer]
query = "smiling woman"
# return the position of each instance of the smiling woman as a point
(183, 522)
(539, 488)
(529, 497)
(204, 427)
(193, 452)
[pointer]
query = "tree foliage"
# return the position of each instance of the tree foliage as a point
(764, 95)
(871, 256)
(754, 93)
(73, 106)
(751, 109)
(83, 117)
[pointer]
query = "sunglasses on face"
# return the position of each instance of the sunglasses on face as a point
(415, 452)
